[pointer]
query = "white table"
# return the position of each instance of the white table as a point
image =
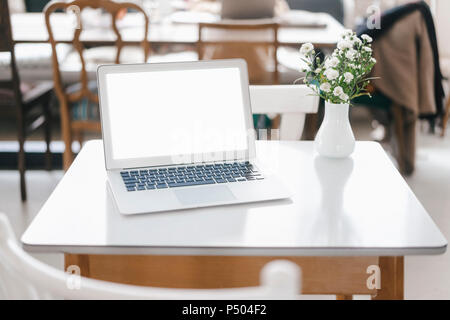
(358, 208)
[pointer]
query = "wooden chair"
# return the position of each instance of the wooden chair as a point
(25, 98)
(71, 127)
(27, 278)
(255, 42)
(403, 125)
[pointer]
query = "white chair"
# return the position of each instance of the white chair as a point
(24, 277)
(293, 102)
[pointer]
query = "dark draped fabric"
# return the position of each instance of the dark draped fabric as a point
(390, 18)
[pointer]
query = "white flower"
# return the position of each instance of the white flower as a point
(345, 44)
(366, 38)
(357, 41)
(368, 49)
(331, 62)
(338, 91)
(344, 97)
(318, 70)
(325, 87)
(331, 74)
(373, 60)
(350, 54)
(348, 77)
(306, 49)
(347, 32)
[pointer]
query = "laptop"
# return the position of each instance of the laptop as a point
(180, 135)
(248, 9)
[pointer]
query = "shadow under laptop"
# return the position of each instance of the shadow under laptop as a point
(223, 226)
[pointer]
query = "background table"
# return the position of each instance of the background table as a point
(34, 55)
(344, 216)
(30, 28)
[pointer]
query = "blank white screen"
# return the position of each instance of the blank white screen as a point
(172, 113)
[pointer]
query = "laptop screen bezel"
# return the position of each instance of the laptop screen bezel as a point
(111, 163)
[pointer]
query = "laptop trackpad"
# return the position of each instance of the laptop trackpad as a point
(193, 196)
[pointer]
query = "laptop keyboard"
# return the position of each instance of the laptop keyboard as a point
(185, 176)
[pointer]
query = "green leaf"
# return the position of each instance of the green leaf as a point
(360, 95)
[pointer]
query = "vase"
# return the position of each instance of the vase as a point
(335, 138)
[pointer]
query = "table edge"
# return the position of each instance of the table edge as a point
(237, 251)
(229, 251)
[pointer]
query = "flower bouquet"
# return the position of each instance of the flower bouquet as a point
(338, 79)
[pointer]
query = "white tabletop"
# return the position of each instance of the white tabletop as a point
(353, 207)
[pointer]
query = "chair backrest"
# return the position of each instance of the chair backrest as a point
(84, 94)
(111, 7)
(7, 45)
(292, 102)
(255, 41)
(23, 277)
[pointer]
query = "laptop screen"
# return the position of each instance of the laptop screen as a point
(173, 113)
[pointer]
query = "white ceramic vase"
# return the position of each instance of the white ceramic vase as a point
(335, 138)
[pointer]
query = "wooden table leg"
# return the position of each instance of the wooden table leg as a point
(79, 260)
(392, 279)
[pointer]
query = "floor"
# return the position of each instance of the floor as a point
(425, 277)
(429, 277)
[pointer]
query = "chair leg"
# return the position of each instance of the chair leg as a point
(445, 119)
(397, 113)
(409, 142)
(21, 154)
(78, 136)
(67, 155)
(66, 134)
(311, 127)
(48, 132)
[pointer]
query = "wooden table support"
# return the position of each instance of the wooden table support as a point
(392, 279)
(343, 276)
